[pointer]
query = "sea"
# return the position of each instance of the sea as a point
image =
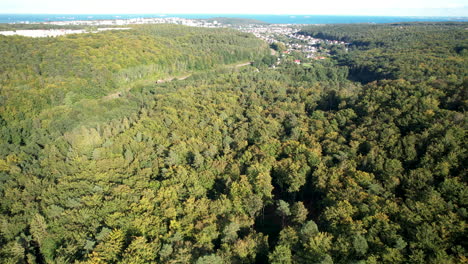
(274, 19)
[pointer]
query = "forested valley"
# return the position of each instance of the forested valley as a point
(108, 155)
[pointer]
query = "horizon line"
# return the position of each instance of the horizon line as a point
(244, 14)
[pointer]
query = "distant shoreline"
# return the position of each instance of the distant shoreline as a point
(273, 19)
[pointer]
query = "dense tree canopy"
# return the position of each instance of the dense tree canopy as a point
(414, 51)
(297, 164)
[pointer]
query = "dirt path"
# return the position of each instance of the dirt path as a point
(116, 94)
(120, 93)
(242, 64)
(183, 77)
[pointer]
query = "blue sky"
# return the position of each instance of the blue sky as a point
(309, 7)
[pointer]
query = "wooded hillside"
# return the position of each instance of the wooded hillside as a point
(233, 165)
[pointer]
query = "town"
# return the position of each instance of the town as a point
(287, 35)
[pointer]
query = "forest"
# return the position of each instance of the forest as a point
(107, 157)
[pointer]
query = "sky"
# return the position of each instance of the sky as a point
(307, 7)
